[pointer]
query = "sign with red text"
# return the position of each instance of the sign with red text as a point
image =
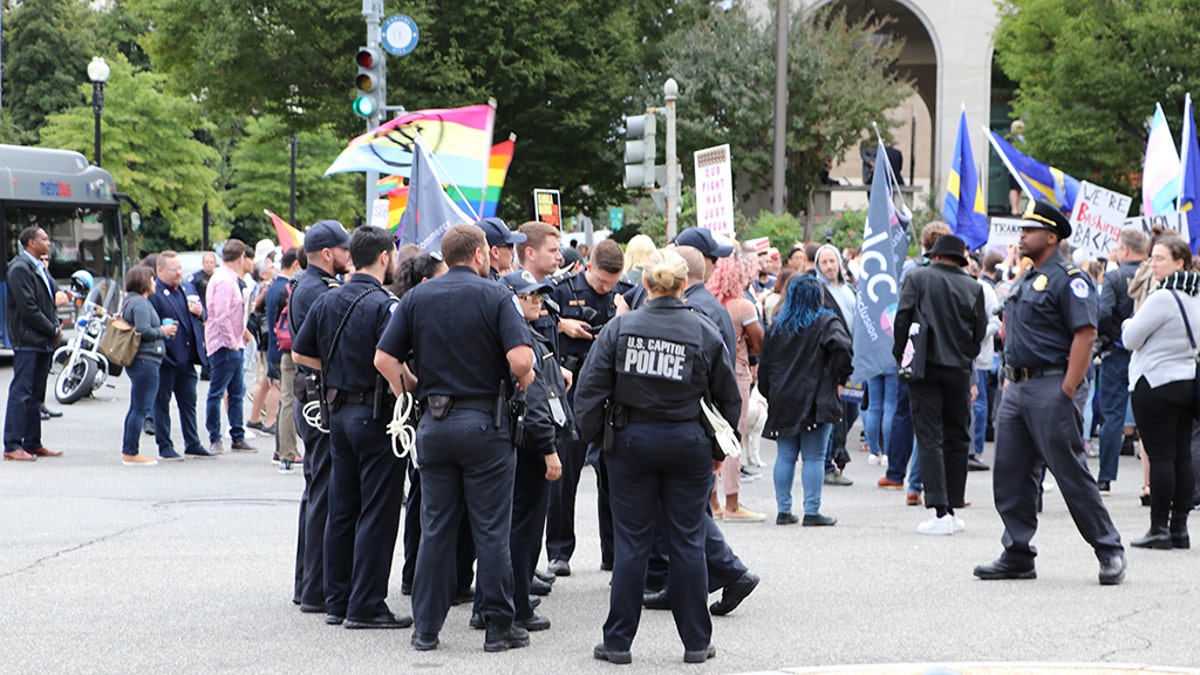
(714, 190)
(1097, 219)
(547, 207)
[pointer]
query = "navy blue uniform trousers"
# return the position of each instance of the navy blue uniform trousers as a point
(366, 491)
(1037, 423)
(314, 511)
(412, 538)
(724, 567)
(464, 461)
(659, 468)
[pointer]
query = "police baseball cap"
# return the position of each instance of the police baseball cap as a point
(523, 282)
(1044, 215)
(326, 234)
(701, 239)
(498, 233)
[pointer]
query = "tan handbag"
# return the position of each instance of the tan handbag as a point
(120, 341)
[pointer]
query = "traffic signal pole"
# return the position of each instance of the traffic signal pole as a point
(373, 13)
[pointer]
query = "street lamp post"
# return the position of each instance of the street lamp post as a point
(98, 71)
(671, 93)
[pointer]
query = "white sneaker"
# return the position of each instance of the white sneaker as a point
(937, 526)
(874, 460)
(959, 525)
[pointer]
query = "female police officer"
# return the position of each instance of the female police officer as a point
(644, 378)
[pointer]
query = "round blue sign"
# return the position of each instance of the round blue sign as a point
(399, 34)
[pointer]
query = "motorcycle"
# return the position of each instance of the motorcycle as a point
(80, 367)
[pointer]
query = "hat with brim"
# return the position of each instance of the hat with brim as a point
(498, 233)
(949, 246)
(1045, 216)
(702, 239)
(326, 234)
(523, 282)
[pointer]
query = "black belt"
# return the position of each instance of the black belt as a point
(356, 398)
(1020, 374)
(640, 416)
(484, 404)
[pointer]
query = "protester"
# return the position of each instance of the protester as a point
(201, 277)
(1162, 369)
(772, 302)
(225, 338)
(639, 248)
(143, 372)
(265, 394)
(985, 365)
(281, 369)
(806, 358)
(730, 279)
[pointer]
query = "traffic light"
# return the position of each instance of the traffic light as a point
(640, 151)
(371, 82)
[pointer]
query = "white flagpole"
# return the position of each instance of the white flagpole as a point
(1008, 164)
(444, 175)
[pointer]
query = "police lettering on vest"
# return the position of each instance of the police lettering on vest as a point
(651, 357)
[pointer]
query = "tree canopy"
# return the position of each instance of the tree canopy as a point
(1088, 75)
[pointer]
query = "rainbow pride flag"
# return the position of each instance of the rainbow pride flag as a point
(288, 236)
(471, 200)
(459, 140)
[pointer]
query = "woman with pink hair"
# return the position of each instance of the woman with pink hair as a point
(728, 283)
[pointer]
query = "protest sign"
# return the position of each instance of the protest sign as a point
(1097, 219)
(714, 190)
(547, 207)
(1002, 232)
(1176, 221)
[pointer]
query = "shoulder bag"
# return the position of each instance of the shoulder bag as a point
(120, 341)
(1195, 355)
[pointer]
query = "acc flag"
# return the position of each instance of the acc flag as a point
(430, 211)
(878, 290)
(1161, 170)
(1189, 187)
(1040, 181)
(963, 206)
(289, 237)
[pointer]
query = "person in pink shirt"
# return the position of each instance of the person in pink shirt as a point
(225, 336)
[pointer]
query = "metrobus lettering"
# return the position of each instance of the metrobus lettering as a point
(55, 188)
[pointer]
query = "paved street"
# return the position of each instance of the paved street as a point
(188, 567)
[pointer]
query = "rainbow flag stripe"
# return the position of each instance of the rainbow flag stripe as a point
(289, 237)
(472, 200)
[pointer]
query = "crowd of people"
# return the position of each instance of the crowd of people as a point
(506, 362)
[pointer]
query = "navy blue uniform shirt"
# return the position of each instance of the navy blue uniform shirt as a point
(572, 294)
(350, 367)
(314, 282)
(1043, 311)
(455, 332)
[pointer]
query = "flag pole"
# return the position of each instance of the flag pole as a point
(418, 139)
(891, 175)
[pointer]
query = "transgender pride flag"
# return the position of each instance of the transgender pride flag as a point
(1162, 171)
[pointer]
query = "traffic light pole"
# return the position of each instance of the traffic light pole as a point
(373, 13)
(671, 93)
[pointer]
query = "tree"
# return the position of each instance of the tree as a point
(260, 175)
(1088, 75)
(41, 74)
(838, 84)
(149, 146)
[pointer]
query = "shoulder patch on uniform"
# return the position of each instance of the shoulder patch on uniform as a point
(392, 307)
(1080, 288)
(1070, 267)
(332, 282)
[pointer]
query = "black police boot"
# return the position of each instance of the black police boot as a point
(1157, 536)
(734, 594)
(1179, 531)
(1112, 570)
(502, 639)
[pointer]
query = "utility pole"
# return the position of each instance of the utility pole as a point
(779, 153)
(671, 92)
(292, 201)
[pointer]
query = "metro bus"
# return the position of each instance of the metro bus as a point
(76, 204)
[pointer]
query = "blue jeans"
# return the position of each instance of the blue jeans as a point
(880, 412)
(810, 447)
(981, 410)
(901, 438)
(225, 373)
(1114, 399)
(915, 484)
(143, 388)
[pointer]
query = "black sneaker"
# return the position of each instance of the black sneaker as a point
(786, 519)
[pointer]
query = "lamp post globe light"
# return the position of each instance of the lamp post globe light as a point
(98, 71)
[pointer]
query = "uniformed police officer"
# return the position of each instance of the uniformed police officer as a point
(465, 334)
(586, 303)
(500, 241)
(327, 247)
(652, 367)
(366, 486)
(1051, 320)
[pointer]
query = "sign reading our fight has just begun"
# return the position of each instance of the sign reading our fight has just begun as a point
(714, 190)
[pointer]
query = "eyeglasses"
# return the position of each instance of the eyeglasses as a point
(531, 297)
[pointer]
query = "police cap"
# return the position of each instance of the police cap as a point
(1044, 215)
(498, 233)
(326, 234)
(701, 239)
(523, 282)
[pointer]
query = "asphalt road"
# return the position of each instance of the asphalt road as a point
(188, 566)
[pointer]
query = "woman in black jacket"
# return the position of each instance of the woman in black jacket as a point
(805, 358)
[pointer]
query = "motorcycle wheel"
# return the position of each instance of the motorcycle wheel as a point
(75, 382)
(60, 359)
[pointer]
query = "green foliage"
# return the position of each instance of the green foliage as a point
(783, 230)
(47, 46)
(148, 144)
(260, 165)
(1088, 75)
(837, 86)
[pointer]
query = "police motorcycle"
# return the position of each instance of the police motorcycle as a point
(79, 366)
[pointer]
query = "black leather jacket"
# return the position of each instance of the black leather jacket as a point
(799, 373)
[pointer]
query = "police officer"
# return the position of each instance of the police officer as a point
(586, 303)
(464, 334)
(1051, 319)
(500, 241)
(366, 485)
(652, 367)
(327, 247)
